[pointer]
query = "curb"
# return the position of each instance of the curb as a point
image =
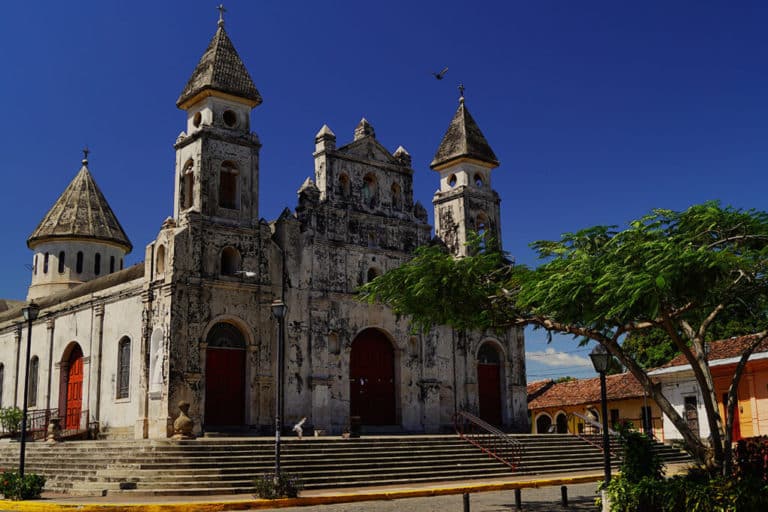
(203, 506)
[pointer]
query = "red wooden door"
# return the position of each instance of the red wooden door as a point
(372, 379)
(74, 405)
(225, 387)
(489, 391)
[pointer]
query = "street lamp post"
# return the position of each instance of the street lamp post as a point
(278, 311)
(30, 312)
(601, 360)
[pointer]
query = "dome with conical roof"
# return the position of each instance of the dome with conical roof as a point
(81, 212)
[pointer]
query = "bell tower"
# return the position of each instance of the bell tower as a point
(465, 200)
(217, 157)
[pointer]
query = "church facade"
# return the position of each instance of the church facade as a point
(119, 348)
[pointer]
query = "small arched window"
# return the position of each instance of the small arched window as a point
(34, 369)
(481, 224)
(188, 184)
(397, 197)
(123, 367)
(344, 186)
(2, 382)
(79, 262)
(230, 261)
(45, 263)
(160, 261)
(34, 265)
(369, 190)
(228, 179)
(121, 263)
(479, 181)
(97, 263)
(62, 257)
(111, 264)
(373, 273)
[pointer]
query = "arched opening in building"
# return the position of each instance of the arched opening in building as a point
(372, 379)
(188, 184)
(228, 189)
(344, 186)
(72, 372)
(224, 377)
(543, 424)
(230, 261)
(561, 420)
(489, 383)
(370, 190)
(160, 261)
(397, 197)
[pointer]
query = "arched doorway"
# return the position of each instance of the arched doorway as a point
(372, 379)
(73, 406)
(489, 383)
(224, 377)
(562, 423)
(543, 424)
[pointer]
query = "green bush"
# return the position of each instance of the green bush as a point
(10, 419)
(14, 487)
(285, 486)
(639, 460)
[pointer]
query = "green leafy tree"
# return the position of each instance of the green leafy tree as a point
(674, 272)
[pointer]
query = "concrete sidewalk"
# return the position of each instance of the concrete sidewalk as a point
(147, 503)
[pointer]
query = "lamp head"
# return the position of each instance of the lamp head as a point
(278, 309)
(601, 359)
(30, 311)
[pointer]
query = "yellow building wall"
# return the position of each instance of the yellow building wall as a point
(629, 410)
(752, 397)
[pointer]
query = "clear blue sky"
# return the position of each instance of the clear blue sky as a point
(598, 111)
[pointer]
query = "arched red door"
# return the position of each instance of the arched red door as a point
(74, 404)
(225, 377)
(372, 379)
(489, 384)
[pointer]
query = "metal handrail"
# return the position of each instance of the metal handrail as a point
(594, 437)
(489, 439)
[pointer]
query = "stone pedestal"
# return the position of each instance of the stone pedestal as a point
(54, 430)
(183, 426)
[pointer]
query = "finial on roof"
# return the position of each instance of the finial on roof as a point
(85, 155)
(221, 10)
(461, 93)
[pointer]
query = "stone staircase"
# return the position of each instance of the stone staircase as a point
(230, 465)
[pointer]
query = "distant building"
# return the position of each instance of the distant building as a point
(561, 407)
(120, 347)
(681, 388)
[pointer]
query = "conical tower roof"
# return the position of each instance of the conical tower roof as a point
(220, 69)
(463, 139)
(81, 212)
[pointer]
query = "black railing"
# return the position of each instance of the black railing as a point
(592, 433)
(489, 439)
(73, 424)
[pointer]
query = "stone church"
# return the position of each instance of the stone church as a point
(119, 348)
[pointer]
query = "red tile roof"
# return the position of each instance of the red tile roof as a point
(584, 391)
(724, 349)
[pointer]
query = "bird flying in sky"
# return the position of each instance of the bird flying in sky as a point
(441, 74)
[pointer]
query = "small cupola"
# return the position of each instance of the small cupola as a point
(79, 239)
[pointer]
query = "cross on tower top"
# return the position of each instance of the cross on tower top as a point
(461, 93)
(85, 155)
(221, 10)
